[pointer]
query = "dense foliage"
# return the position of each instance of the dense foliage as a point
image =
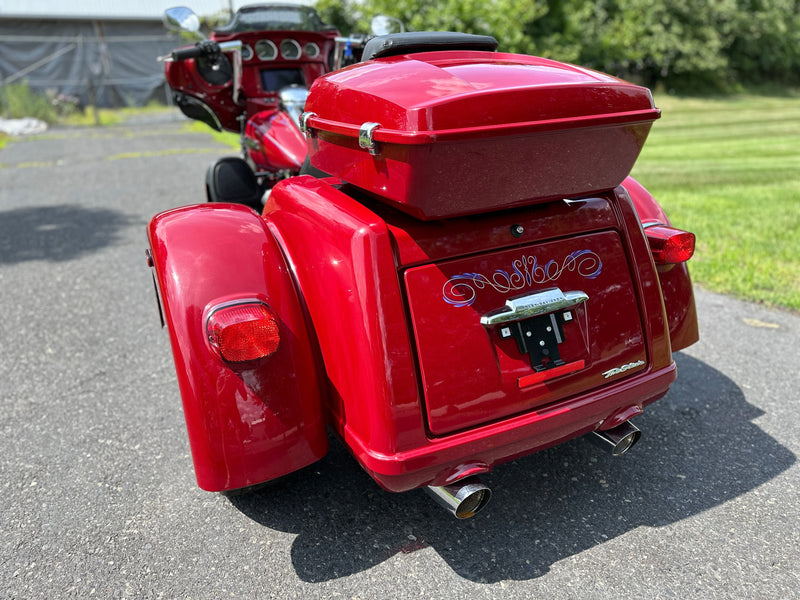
(689, 45)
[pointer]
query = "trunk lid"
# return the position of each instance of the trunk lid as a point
(500, 331)
(446, 134)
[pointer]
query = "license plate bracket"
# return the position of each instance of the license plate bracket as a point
(539, 338)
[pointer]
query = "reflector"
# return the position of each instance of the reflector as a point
(243, 332)
(670, 245)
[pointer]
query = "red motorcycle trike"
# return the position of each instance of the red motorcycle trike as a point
(469, 276)
(251, 77)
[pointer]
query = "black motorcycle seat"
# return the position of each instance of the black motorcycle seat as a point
(426, 41)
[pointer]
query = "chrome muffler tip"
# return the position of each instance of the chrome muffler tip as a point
(620, 438)
(464, 498)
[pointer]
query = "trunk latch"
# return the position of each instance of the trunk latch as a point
(366, 138)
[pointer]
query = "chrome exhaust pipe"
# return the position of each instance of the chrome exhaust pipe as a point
(620, 438)
(463, 498)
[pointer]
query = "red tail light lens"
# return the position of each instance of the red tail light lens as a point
(670, 245)
(243, 332)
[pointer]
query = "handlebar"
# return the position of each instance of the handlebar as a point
(205, 48)
(213, 50)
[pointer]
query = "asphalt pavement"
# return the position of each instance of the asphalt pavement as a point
(97, 493)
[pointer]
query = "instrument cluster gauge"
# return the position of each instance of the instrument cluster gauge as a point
(290, 49)
(266, 50)
(311, 50)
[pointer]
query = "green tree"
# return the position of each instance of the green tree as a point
(698, 45)
(558, 31)
(658, 41)
(503, 19)
(765, 41)
(346, 15)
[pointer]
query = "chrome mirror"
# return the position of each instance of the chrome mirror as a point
(384, 25)
(180, 18)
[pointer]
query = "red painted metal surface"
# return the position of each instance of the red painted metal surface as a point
(675, 282)
(344, 264)
(278, 142)
(470, 374)
(380, 309)
(183, 76)
(247, 422)
(465, 132)
(351, 277)
(311, 68)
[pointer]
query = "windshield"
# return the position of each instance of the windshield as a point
(285, 17)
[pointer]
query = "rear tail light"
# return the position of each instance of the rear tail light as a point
(243, 332)
(669, 245)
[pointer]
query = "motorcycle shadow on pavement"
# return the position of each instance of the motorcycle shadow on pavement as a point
(58, 233)
(699, 449)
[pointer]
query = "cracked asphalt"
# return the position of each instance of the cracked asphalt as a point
(97, 494)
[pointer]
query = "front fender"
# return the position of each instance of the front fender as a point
(256, 421)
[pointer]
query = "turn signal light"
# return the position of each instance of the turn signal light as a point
(670, 245)
(243, 332)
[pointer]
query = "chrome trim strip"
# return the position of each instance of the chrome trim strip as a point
(532, 305)
(654, 224)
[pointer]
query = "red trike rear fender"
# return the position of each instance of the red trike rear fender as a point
(248, 422)
(676, 284)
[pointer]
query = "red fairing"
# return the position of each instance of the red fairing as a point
(365, 261)
(676, 284)
(311, 68)
(278, 142)
(184, 77)
(253, 421)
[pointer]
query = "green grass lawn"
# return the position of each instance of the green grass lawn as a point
(729, 171)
